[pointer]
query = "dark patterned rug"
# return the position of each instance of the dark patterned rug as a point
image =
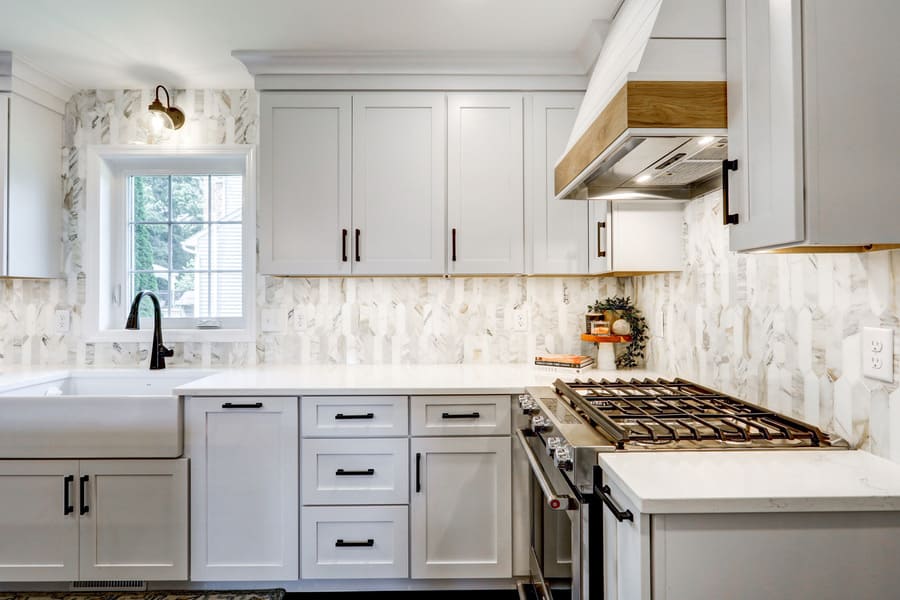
(149, 595)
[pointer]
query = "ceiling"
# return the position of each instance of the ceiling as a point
(117, 44)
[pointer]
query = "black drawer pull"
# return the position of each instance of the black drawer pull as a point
(238, 405)
(67, 498)
(82, 491)
(366, 544)
(472, 415)
(418, 472)
(343, 417)
(618, 513)
(345, 473)
(343, 245)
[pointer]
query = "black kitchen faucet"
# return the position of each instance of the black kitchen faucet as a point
(158, 352)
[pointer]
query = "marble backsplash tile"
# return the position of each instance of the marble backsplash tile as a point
(324, 320)
(781, 331)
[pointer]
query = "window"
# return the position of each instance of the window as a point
(184, 244)
(176, 221)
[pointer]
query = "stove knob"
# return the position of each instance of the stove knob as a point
(552, 444)
(563, 458)
(540, 423)
(528, 405)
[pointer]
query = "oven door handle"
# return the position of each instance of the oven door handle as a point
(554, 500)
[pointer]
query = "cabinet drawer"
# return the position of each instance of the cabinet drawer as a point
(355, 471)
(355, 542)
(354, 416)
(460, 415)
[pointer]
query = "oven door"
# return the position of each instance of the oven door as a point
(557, 518)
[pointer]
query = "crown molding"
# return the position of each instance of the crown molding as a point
(292, 70)
(20, 77)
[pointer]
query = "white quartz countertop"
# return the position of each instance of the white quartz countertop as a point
(383, 379)
(754, 481)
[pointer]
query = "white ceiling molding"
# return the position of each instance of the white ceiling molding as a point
(291, 70)
(20, 77)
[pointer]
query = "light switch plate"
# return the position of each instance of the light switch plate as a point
(270, 320)
(878, 353)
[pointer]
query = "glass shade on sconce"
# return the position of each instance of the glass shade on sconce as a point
(164, 116)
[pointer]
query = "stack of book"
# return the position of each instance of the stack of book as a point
(564, 363)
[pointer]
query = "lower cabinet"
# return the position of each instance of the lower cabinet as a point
(460, 517)
(355, 542)
(244, 490)
(94, 519)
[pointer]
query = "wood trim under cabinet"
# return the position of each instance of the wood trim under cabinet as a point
(813, 249)
(646, 104)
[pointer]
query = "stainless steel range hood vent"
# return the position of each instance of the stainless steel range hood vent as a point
(653, 123)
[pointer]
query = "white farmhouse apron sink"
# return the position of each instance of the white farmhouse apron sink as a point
(116, 413)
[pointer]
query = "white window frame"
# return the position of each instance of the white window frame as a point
(105, 244)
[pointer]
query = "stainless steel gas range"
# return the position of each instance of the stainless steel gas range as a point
(571, 422)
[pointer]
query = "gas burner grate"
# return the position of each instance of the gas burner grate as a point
(660, 412)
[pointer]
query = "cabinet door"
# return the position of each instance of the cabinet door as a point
(38, 520)
(399, 141)
(35, 190)
(558, 236)
(134, 519)
(304, 202)
(646, 237)
(244, 484)
(599, 236)
(626, 551)
(461, 523)
(765, 122)
(4, 181)
(484, 183)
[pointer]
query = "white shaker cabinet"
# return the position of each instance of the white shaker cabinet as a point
(460, 520)
(134, 519)
(30, 188)
(94, 519)
(485, 183)
(39, 500)
(399, 145)
(812, 122)
(244, 488)
(556, 236)
(305, 194)
(636, 237)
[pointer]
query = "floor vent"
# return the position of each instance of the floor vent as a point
(108, 586)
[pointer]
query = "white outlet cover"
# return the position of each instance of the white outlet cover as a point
(520, 320)
(878, 353)
(62, 320)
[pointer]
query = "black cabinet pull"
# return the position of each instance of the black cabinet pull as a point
(472, 415)
(343, 417)
(453, 244)
(343, 245)
(345, 473)
(727, 217)
(601, 225)
(366, 544)
(357, 245)
(618, 513)
(82, 491)
(239, 405)
(418, 472)
(67, 498)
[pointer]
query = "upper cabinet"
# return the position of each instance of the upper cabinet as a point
(31, 139)
(558, 235)
(485, 183)
(398, 183)
(304, 205)
(812, 125)
(634, 237)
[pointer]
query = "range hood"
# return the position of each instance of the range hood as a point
(653, 122)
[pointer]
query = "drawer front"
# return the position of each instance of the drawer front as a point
(460, 415)
(354, 416)
(355, 471)
(355, 542)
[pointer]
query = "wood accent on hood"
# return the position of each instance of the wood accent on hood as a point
(646, 104)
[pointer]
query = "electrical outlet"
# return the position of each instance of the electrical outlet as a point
(878, 353)
(270, 320)
(520, 320)
(62, 320)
